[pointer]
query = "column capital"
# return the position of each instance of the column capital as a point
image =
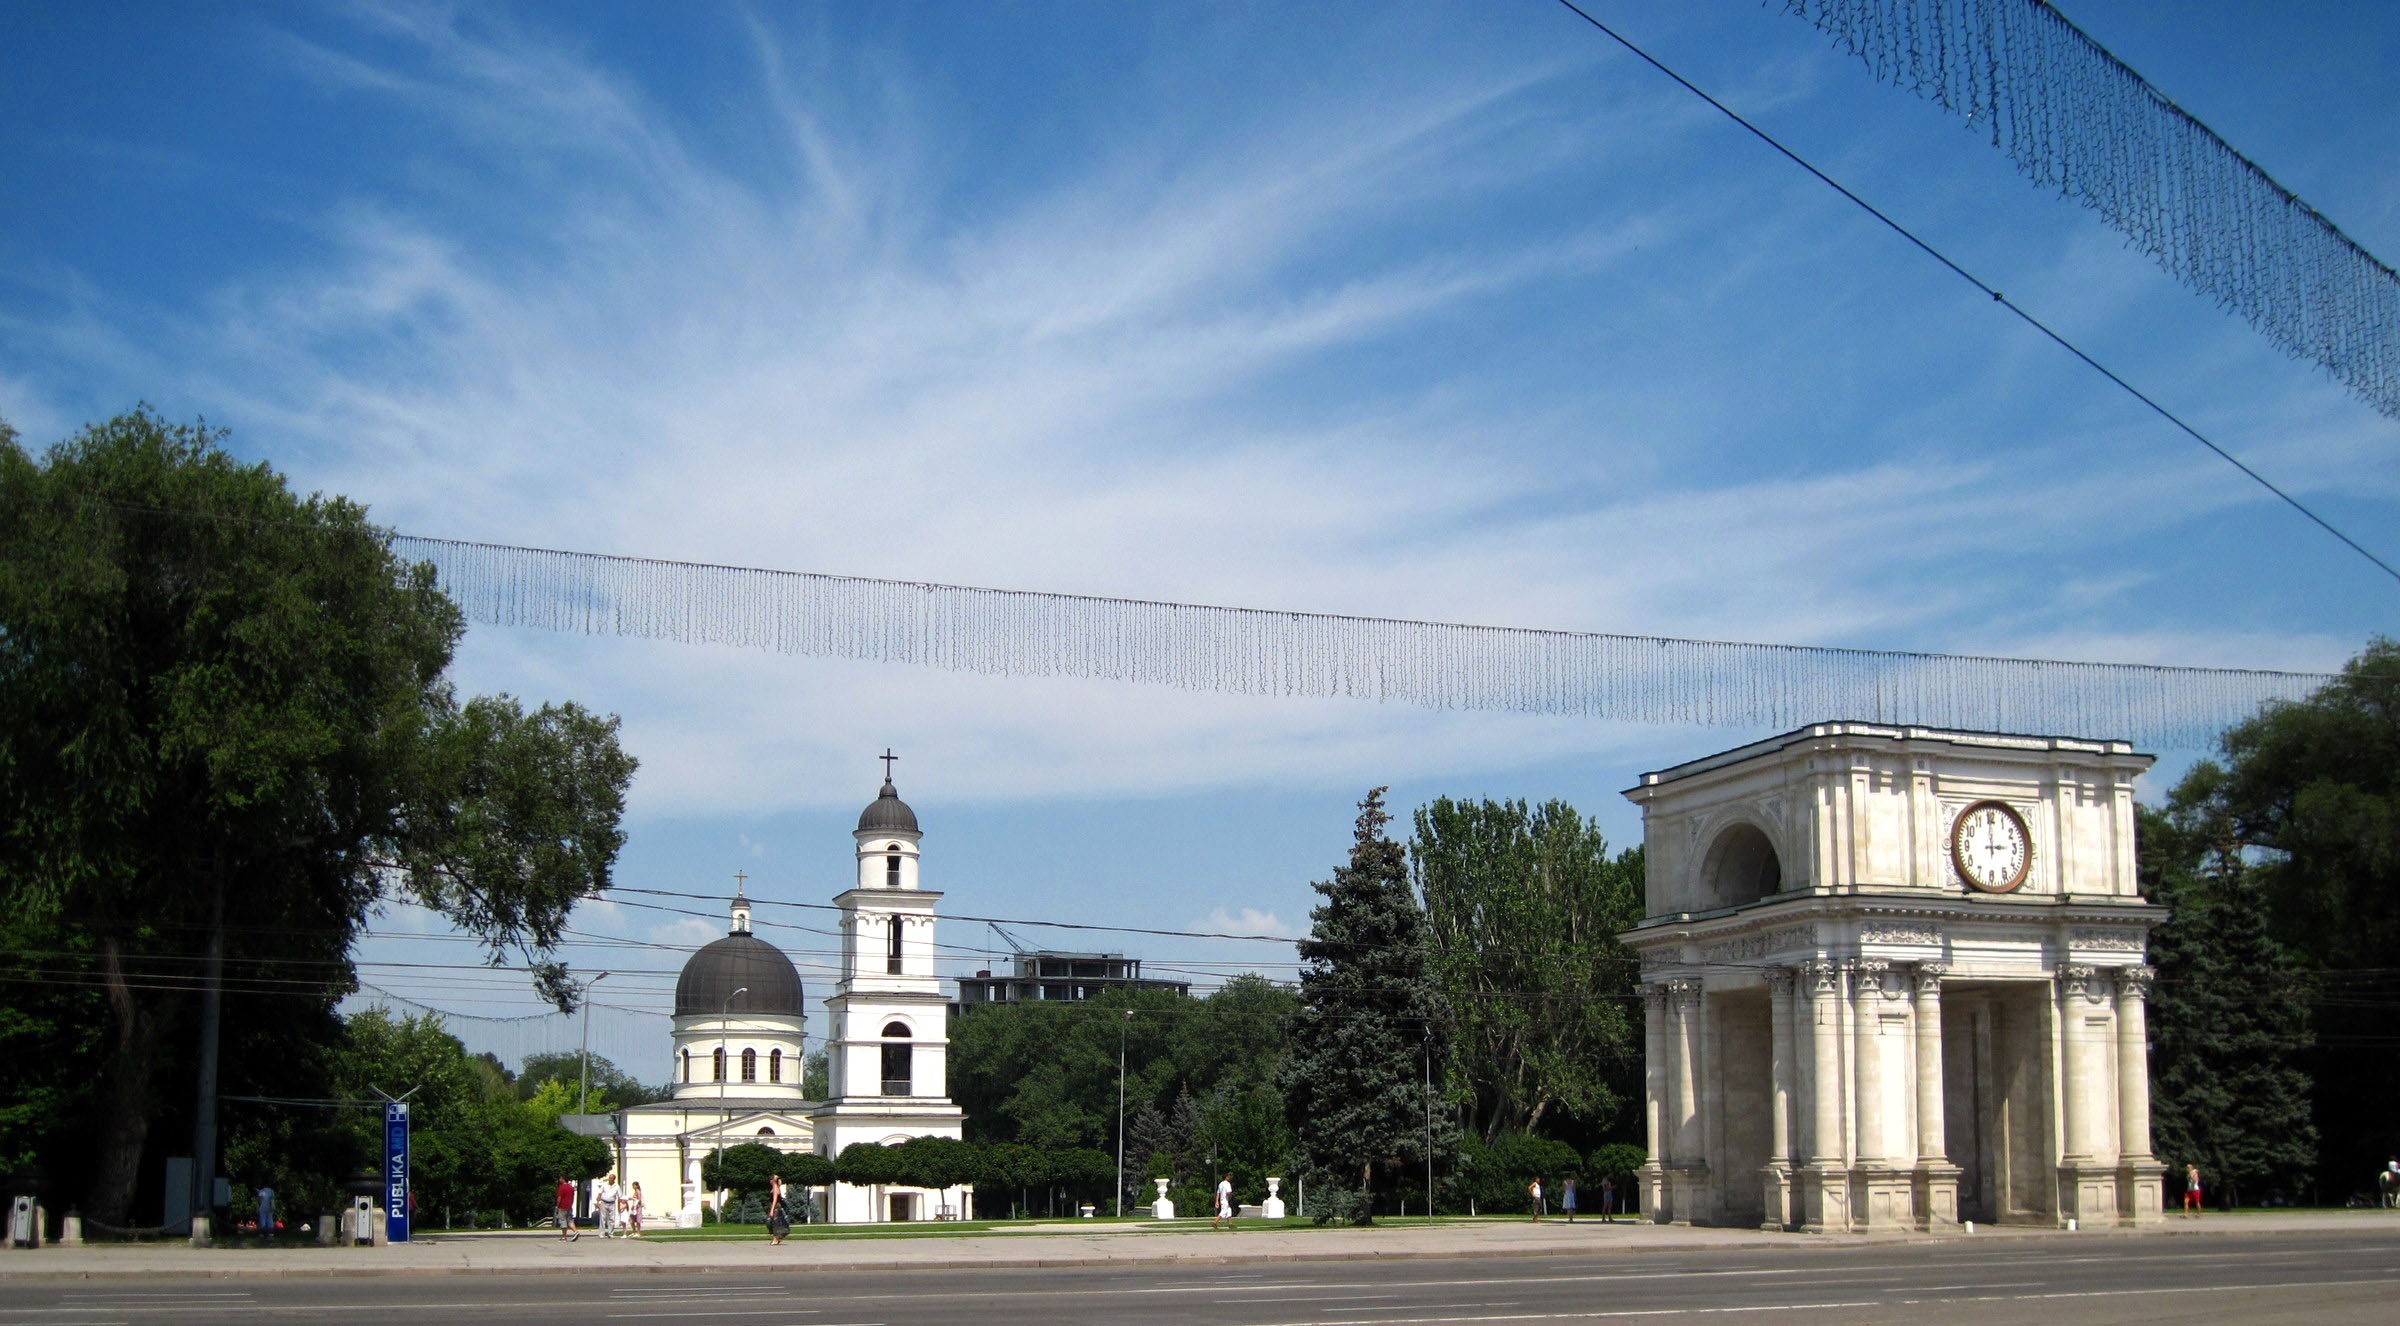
(1929, 977)
(1822, 978)
(1654, 994)
(1780, 981)
(2134, 982)
(2086, 983)
(1685, 991)
(1869, 976)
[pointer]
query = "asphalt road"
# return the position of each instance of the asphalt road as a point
(2317, 1277)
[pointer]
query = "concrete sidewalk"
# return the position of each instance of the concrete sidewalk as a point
(1066, 1244)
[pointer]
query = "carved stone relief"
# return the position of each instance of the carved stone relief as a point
(1901, 932)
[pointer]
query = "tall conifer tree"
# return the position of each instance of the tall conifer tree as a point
(1354, 1079)
(2229, 1018)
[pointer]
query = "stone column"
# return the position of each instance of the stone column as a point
(1657, 1107)
(2074, 1096)
(1779, 1033)
(1866, 997)
(1687, 1033)
(2085, 1191)
(1654, 1067)
(1825, 1183)
(2140, 1178)
(1825, 1030)
(1936, 1179)
(1777, 1178)
(1691, 1194)
(1928, 1026)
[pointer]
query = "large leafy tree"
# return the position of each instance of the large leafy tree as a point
(224, 724)
(1523, 909)
(604, 1079)
(1353, 1087)
(2300, 825)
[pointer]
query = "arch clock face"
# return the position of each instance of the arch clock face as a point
(1990, 847)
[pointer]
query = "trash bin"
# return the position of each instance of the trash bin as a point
(24, 1222)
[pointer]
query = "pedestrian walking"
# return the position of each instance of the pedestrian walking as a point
(779, 1221)
(1566, 1197)
(604, 1205)
(1224, 1202)
(633, 1209)
(567, 1233)
(2191, 1190)
(1533, 1191)
(1608, 1199)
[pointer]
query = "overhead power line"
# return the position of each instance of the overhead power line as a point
(2385, 312)
(1255, 651)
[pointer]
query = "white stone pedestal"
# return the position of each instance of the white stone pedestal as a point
(1162, 1208)
(1272, 1208)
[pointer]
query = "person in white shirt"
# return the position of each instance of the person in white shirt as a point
(604, 1205)
(1224, 1202)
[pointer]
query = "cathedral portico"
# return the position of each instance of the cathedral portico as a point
(1933, 1012)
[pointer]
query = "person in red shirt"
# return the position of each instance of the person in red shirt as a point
(566, 1210)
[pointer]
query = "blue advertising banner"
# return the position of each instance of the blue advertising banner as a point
(395, 1171)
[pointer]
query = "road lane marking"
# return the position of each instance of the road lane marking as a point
(748, 1312)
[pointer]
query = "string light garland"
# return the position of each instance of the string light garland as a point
(1261, 652)
(2075, 118)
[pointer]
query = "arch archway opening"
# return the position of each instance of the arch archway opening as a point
(1741, 867)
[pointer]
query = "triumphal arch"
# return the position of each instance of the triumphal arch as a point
(1893, 977)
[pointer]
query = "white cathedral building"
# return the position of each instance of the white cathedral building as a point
(739, 1049)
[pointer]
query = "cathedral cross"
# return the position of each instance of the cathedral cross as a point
(887, 757)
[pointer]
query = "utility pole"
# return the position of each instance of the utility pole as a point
(212, 1005)
(583, 1077)
(1121, 1110)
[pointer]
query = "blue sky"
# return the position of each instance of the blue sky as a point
(1448, 312)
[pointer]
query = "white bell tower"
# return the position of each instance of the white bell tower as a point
(887, 1043)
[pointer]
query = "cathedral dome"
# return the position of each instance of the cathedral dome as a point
(888, 813)
(739, 961)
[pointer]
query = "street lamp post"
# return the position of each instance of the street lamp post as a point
(1121, 1110)
(724, 1066)
(583, 1076)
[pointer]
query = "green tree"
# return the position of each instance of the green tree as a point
(865, 1164)
(2229, 1012)
(2302, 821)
(937, 1162)
(1492, 1175)
(473, 1144)
(606, 1080)
(816, 1076)
(223, 725)
(1523, 909)
(1351, 1083)
(747, 1170)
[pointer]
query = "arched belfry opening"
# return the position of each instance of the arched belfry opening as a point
(1741, 867)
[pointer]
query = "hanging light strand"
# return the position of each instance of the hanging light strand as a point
(1249, 651)
(2075, 118)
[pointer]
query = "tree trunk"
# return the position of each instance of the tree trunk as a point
(125, 1097)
